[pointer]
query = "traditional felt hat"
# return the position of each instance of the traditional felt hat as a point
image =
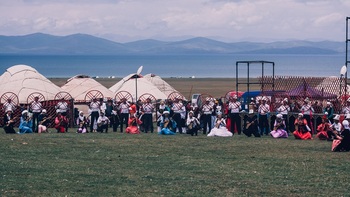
(279, 116)
(337, 117)
(300, 114)
(24, 111)
(43, 111)
(166, 112)
(345, 123)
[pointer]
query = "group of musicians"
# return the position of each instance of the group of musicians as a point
(177, 116)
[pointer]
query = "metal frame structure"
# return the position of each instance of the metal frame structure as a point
(347, 40)
(248, 83)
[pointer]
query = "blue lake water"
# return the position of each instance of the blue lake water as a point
(199, 66)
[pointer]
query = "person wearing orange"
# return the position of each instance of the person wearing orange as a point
(302, 130)
(323, 129)
(60, 122)
(133, 123)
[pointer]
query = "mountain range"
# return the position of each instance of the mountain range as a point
(83, 44)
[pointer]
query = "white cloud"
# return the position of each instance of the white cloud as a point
(137, 19)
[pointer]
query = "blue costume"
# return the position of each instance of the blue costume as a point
(170, 127)
(25, 126)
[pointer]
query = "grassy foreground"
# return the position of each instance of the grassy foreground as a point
(116, 164)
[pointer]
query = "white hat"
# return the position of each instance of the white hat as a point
(348, 100)
(325, 113)
(336, 117)
(24, 111)
(234, 97)
(43, 111)
(300, 114)
(285, 99)
(345, 123)
(58, 111)
(307, 99)
(207, 99)
(279, 116)
(251, 111)
(166, 112)
(264, 98)
(191, 112)
(9, 110)
(329, 103)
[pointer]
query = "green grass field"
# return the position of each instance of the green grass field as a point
(116, 164)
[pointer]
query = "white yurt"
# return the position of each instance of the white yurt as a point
(24, 80)
(332, 85)
(144, 86)
(81, 85)
(162, 85)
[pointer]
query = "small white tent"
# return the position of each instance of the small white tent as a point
(24, 80)
(80, 85)
(144, 86)
(332, 85)
(162, 85)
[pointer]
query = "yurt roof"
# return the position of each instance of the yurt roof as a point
(144, 86)
(79, 85)
(332, 85)
(162, 85)
(24, 80)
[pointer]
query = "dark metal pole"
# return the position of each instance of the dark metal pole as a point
(236, 77)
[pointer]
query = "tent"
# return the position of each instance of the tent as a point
(162, 85)
(332, 85)
(81, 85)
(24, 80)
(305, 90)
(144, 86)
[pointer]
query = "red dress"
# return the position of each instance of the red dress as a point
(61, 123)
(301, 132)
(132, 125)
(322, 131)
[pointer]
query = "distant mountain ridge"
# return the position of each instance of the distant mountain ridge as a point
(83, 44)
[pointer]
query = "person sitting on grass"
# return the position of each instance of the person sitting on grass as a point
(133, 124)
(167, 125)
(342, 141)
(192, 124)
(43, 122)
(279, 128)
(302, 131)
(220, 129)
(250, 126)
(82, 123)
(102, 123)
(60, 122)
(9, 122)
(26, 123)
(323, 129)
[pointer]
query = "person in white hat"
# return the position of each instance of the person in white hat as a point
(9, 105)
(329, 109)
(263, 110)
(250, 126)
(279, 126)
(284, 109)
(82, 123)
(192, 124)
(167, 125)
(234, 107)
(26, 124)
(336, 126)
(60, 122)
(206, 110)
(35, 108)
(147, 109)
(220, 129)
(302, 131)
(342, 141)
(43, 122)
(346, 109)
(176, 111)
(9, 122)
(307, 110)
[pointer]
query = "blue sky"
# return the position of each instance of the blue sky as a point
(226, 20)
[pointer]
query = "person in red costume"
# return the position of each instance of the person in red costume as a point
(302, 131)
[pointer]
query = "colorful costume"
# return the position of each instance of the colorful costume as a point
(302, 131)
(220, 129)
(132, 125)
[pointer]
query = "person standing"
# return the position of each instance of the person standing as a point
(9, 105)
(206, 110)
(124, 113)
(307, 110)
(284, 109)
(35, 108)
(264, 110)
(234, 107)
(147, 109)
(176, 108)
(95, 109)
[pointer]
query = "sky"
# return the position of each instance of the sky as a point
(169, 20)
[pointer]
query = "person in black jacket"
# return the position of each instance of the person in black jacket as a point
(9, 122)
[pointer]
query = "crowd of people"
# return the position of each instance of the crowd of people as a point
(212, 118)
